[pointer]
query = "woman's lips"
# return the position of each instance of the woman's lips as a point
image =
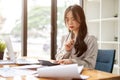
(70, 26)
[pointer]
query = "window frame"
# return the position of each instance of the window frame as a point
(53, 28)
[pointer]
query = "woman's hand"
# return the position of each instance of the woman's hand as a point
(69, 45)
(64, 61)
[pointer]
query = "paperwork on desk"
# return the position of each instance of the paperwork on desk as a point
(28, 67)
(19, 70)
(19, 61)
(10, 72)
(61, 71)
(6, 62)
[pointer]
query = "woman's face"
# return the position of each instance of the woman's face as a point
(71, 23)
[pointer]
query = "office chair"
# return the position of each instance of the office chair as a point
(105, 60)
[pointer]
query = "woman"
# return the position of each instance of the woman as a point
(78, 47)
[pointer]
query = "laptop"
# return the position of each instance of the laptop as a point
(10, 52)
(9, 48)
(12, 55)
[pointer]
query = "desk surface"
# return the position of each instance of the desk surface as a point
(94, 75)
(99, 75)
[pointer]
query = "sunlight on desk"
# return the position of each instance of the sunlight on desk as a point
(93, 74)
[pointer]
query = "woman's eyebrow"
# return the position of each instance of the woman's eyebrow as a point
(68, 17)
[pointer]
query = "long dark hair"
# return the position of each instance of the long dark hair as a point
(79, 16)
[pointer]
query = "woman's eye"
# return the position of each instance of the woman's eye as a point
(67, 20)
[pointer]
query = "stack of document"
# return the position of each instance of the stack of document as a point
(27, 61)
(6, 62)
(19, 61)
(58, 71)
(11, 72)
(62, 71)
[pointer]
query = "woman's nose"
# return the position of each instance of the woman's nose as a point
(70, 22)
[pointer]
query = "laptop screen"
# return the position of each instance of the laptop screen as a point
(9, 48)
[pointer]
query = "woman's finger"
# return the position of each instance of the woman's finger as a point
(60, 61)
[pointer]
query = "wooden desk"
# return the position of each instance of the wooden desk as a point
(94, 75)
(99, 75)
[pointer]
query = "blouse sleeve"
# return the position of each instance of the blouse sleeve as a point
(89, 57)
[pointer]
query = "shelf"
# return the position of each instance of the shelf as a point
(94, 7)
(109, 8)
(93, 0)
(116, 65)
(103, 20)
(108, 42)
(94, 20)
(110, 19)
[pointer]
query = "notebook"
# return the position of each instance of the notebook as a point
(9, 47)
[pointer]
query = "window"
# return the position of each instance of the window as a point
(39, 28)
(38, 24)
(10, 22)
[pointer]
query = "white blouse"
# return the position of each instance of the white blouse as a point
(87, 59)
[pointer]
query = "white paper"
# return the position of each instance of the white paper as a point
(20, 61)
(61, 71)
(80, 68)
(28, 66)
(6, 62)
(10, 72)
(27, 61)
(84, 77)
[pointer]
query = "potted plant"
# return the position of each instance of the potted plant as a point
(2, 48)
